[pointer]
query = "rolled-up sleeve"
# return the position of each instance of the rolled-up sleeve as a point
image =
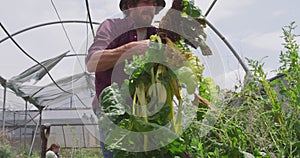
(103, 38)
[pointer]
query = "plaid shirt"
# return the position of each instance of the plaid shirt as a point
(113, 33)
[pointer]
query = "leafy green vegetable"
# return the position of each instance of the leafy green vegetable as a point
(190, 9)
(186, 76)
(162, 88)
(112, 103)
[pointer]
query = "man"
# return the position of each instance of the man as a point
(120, 38)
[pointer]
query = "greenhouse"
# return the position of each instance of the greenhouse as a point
(65, 98)
(203, 87)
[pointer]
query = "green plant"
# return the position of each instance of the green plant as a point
(261, 120)
(5, 149)
(153, 87)
(24, 153)
(81, 152)
(162, 86)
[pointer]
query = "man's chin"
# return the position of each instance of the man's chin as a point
(146, 24)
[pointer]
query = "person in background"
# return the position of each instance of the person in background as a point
(53, 151)
(120, 37)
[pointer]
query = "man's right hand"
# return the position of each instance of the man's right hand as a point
(105, 59)
(135, 48)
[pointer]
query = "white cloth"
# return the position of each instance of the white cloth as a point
(50, 154)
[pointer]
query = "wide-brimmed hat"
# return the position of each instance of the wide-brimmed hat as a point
(160, 3)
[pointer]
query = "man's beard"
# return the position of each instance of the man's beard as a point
(145, 20)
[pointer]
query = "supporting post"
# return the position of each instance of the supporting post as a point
(33, 139)
(25, 124)
(83, 135)
(45, 133)
(63, 131)
(3, 83)
(3, 112)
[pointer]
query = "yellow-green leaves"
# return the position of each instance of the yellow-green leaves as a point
(187, 77)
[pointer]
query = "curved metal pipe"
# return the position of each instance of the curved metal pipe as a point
(228, 45)
(96, 23)
(46, 24)
(89, 16)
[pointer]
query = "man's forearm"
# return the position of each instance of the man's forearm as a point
(105, 59)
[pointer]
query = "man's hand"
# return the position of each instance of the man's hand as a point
(106, 59)
(135, 48)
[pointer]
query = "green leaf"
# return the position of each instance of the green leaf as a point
(161, 117)
(112, 103)
(155, 52)
(177, 146)
(191, 10)
(142, 126)
(187, 76)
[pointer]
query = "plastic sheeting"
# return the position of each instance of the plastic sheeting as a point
(66, 103)
(77, 88)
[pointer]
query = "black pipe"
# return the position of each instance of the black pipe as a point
(46, 24)
(228, 45)
(209, 9)
(89, 16)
